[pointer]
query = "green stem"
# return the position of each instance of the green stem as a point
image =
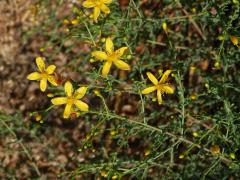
(90, 34)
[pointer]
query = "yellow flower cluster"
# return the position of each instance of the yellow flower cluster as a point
(72, 98)
(109, 56)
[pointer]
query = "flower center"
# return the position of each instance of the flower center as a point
(112, 56)
(159, 86)
(70, 100)
(44, 75)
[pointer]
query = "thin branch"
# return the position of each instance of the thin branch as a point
(199, 31)
(152, 128)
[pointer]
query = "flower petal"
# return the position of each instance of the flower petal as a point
(67, 111)
(121, 51)
(88, 4)
(121, 65)
(105, 9)
(40, 64)
(43, 84)
(152, 78)
(50, 69)
(80, 92)
(34, 76)
(159, 97)
(167, 89)
(100, 55)
(165, 76)
(68, 88)
(96, 13)
(81, 105)
(107, 1)
(52, 80)
(149, 90)
(59, 100)
(106, 68)
(109, 45)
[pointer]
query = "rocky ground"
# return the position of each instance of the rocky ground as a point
(29, 155)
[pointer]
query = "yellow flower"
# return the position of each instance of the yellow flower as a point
(75, 21)
(160, 86)
(113, 132)
(111, 56)
(147, 152)
(114, 177)
(195, 134)
(193, 97)
(66, 21)
(215, 149)
(164, 26)
(181, 156)
(71, 99)
(98, 5)
(44, 74)
(234, 40)
(104, 173)
(38, 117)
(217, 64)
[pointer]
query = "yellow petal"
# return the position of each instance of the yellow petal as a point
(106, 68)
(149, 90)
(52, 80)
(88, 4)
(165, 76)
(100, 55)
(152, 78)
(109, 46)
(40, 64)
(43, 84)
(121, 51)
(121, 65)
(34, 76)
(68, 88)
(167, 89)
(80, 92)
(107, 1)
(105, 9)
(50, 69)
(159, 97)
(59, 100)
(81, 105)
(96, 13)
(67, 111)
